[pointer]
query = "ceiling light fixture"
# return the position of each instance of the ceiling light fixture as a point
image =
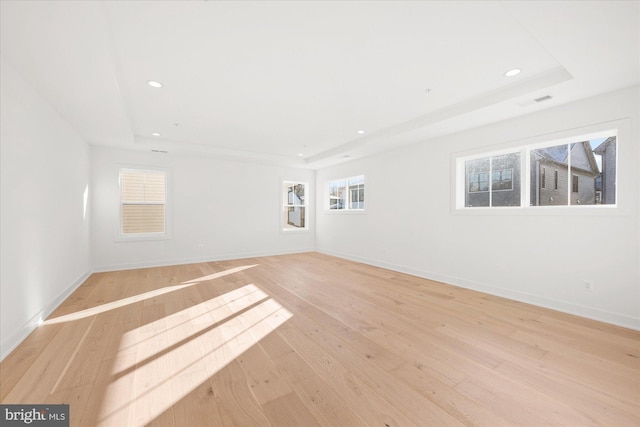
(154, 83)
(300, 154)
(360, 132)
(155, 134)
(513, 72)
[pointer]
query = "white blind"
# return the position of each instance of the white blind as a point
(142, 197)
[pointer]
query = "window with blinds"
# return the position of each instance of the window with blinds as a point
(143, 196)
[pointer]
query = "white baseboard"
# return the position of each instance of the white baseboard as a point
(565, 307)
(206, 258)
(8, 344)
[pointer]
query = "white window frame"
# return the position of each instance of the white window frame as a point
(347, 208)
(619, 128)
(136, 237)
(285, 205)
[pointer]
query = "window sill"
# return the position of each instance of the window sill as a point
(602, 210)
(141, 237)
(294, 230)
(345, 211)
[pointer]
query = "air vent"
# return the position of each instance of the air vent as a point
(160, 151)
(543, 98)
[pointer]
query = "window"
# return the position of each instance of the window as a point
(294, 195)
(555, 157)
(356, 193)
(143, 195)
(347, 193)
(504, 170)
(584, 173)
(502, 180)
(577, 171)
(478, 182)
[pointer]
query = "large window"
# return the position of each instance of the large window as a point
(580, 171)
(347, 193)
(143, 196)
(294, 195)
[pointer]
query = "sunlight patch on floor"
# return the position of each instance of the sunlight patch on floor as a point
(182, 327)
(219, 274)
(141, 297)
(161, 362)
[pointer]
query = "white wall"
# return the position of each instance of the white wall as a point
(44, 222)
(409, 224)
(230, 208)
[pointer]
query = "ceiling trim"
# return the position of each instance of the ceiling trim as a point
(540, 81)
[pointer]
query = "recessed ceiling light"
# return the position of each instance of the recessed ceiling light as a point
(155, 134)
(300, 154)
(154, 83)
(512, 73)
(360, 132)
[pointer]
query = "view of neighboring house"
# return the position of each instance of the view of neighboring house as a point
(580, 173)
(505, 181)
(607, 179)
(553, 179)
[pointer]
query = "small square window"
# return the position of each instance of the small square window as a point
(347, 194)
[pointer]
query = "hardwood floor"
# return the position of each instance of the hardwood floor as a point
(313, 340)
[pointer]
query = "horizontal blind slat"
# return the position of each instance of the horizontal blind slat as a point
(143, 218)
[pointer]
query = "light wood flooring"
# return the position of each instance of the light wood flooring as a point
(312, 340)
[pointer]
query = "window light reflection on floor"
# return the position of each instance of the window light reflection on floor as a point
(154, 370)
(141, 297)
(170, 331)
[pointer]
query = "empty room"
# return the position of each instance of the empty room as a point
(320, 213)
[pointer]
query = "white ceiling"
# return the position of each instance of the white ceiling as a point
(271, 80)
